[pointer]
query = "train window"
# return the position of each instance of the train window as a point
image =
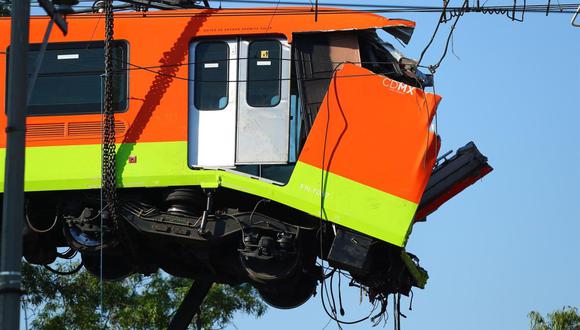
(211, 75)
(264, 74)
(70, 78)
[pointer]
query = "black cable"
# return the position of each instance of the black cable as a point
(333, 306)
(332, 315)
(567, 8)
(253, 80)
(433, 68)
(398, 316)
(432, 36)
(564, 9)
(68, 254)
(70, 272)
(255, 208)
(340, 293)
(145, 67)
(358, 5)
(224, 81)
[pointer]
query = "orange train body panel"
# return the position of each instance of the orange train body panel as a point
(382, 139)
(157, 105)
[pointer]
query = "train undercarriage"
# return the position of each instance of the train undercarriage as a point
(226, 236)
(216, 235)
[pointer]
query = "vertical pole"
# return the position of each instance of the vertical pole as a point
(13, 207)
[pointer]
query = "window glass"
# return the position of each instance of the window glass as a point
(264, 62)
(70, 78)
(211, 75)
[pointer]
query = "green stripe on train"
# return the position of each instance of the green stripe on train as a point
(162, 164)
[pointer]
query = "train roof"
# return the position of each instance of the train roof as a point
(240, 21)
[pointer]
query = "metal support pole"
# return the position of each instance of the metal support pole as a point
(190, 305)
(13, 207)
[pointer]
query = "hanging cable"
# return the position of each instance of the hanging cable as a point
(322, 217)
(68, 254)
(433, 68)
(263, 200)
(434, 33)
(65, 273)
(507, 10)
(36, 230)
(340, 293)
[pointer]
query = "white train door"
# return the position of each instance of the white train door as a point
(263, 121)
(212, 103)
(239, 102)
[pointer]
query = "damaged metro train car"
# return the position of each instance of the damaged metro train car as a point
(248, 147)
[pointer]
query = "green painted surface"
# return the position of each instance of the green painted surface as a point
(160, 164)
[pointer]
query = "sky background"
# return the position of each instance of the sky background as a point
(510, 243)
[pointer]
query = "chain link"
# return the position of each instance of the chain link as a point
(109, 172)
(108, 175)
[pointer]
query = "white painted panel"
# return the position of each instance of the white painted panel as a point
(212, 133)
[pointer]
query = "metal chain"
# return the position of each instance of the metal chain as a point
(109, 172)
(108, 175)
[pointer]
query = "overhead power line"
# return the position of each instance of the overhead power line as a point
(567, 8)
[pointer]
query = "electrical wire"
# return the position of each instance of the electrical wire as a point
(138, 67)
(331, 314)
(69, 254)
(568, 8)
(70, 272)
(135, 67)
(433, 68)
(34, 229)
(328, 4)
(264, 200)
(432, 37)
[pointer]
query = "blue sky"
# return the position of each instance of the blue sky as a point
(510, 243)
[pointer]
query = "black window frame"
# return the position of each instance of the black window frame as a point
(248, 81)
(196, 72)
(122, 106)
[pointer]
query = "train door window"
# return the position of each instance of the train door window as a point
(264, 64)
(211, 75)
(71, 75)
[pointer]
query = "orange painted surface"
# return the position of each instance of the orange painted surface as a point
(160, 40)
(375, 131)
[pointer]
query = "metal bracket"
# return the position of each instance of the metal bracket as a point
(207, 212)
